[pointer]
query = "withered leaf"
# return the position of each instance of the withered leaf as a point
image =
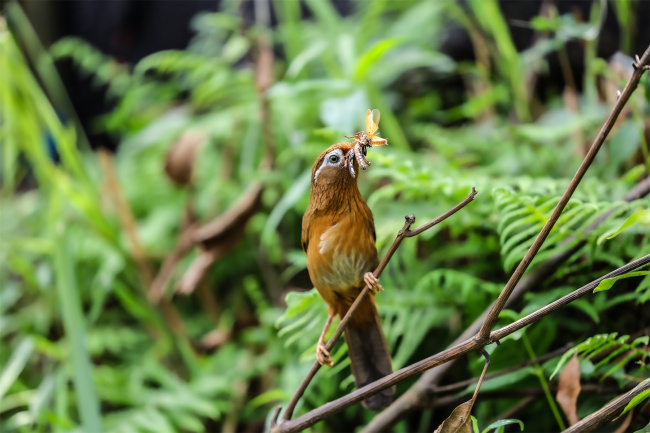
(568, 389)
(179, 163)
(460, 420)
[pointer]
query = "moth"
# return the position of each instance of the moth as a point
(363, 140)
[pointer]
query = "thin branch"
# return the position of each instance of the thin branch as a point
(639, 68)
(403, 233)
(470, 345)
(584, 290)
(184, 244)
(482, 377)
(125, 216)
(462, 384)
(590, 388)
(417, 395)
(609, 412)
(483, 337)
(220, 236)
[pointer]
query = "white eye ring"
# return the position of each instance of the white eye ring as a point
(332, 159)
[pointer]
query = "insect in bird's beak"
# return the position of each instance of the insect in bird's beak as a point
(363, 140)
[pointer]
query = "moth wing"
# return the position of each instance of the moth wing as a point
(372, 121)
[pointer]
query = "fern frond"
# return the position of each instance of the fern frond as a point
(593, 346)
(522, 216)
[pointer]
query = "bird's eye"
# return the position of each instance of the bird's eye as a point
(334, 159)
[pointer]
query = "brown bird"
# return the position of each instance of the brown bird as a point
(338, 235)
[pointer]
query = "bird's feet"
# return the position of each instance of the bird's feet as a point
(323, 356)
(373, 283)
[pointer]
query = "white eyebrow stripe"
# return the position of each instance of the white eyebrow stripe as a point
(325, 163)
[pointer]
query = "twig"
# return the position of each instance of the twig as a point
(482, 377)
(416, 396)
(607, 412)
(405, 232)
(590, 388)
(221, 235)
(184, 244)
(127, 220)
(483, 337)
(464, 383)
(470, 345)
(639, 68)
(584, 290)
(125, 216)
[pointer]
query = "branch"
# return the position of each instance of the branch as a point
(421, 390)
(640, 66)
(483, 337)
(590, 388)
(403, 233)
(462, 384)
(584, 290)
(220, 236)
(461, 349)
(609, 412)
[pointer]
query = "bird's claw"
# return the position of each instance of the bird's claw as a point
(373, 283)
(323, 356)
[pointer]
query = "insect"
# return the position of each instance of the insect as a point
(363, 140)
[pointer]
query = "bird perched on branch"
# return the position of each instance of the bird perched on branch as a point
(338, 235)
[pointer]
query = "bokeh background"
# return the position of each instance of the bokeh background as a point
(156, 158)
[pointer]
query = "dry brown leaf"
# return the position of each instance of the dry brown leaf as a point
(460, 420)
(237, 215)
(568, 389)
(179, 163)
(220, 236)
(214, 338)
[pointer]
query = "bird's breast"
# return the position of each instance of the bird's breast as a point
(341, 258)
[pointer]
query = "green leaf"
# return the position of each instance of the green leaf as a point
(503, 422)
(607, 283)
(638, 399)
(373, 55)
(639, 217)
(74, 325)
(16, 364)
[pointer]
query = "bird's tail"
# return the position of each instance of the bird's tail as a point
(369, 354)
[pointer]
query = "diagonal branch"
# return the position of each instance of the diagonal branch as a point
(467, 346)
(405, 232)
(565, 300)
(608, 412)
(464, 383)
(418, 394)
(639, 68)
(483, 337)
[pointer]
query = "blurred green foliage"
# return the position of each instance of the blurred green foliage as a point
(82, 347)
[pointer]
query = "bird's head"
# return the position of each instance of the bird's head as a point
(335, 166)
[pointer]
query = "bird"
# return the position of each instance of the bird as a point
(338, 236)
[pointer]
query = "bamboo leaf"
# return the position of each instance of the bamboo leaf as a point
(607, 283)
(639, 217)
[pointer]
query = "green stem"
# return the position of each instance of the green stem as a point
(542, 380)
